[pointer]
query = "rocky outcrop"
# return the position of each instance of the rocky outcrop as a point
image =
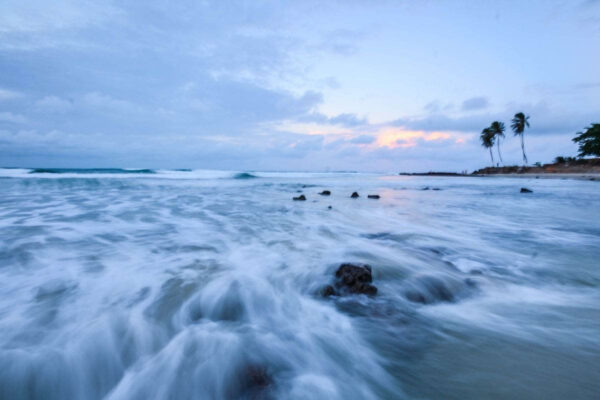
(351, 279)
(300, 198)
(525, 190)
(325, 193)
(354, 195)
(373, 196)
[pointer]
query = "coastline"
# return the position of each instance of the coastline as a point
(594, 176)
(582, 169)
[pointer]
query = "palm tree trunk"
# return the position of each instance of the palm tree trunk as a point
(491, 155)
(499, 154)
(523, 149)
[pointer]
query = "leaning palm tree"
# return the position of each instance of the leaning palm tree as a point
(487, 141)
(519, 123)
(497, 129)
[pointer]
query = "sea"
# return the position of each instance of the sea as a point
(140, 284)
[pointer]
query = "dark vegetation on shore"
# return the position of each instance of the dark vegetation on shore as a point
(432, 173)
(561, 165)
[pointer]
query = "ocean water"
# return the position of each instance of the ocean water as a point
(141, 284)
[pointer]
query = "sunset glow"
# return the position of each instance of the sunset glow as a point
(398, 137)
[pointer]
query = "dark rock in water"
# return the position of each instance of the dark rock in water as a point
(325, 193)
(327, 291)
(298, 191)
(425, 188)
(436, 188)
(255, 382)
(354, 195)
(257, 375)
(429, 289)
(471, 282)
(300, 198)
(525, 190)
(355, 279)
(329, 207)
(373, 196)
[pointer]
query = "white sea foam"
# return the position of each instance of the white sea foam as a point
(206, 284)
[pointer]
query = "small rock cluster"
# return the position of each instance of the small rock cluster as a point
(354, 195)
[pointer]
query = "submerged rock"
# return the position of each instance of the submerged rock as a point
(428, 289)
(354, 195)
(373, 196)
(254, 382)
(327, 291)
(257, 376)
(355, 279)
(300, 198)
(525, 190)
(325, 193)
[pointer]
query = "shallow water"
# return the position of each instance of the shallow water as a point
(204, 284)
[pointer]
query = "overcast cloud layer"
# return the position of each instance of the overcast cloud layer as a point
(256, 85)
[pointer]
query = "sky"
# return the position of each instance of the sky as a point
(382, 86)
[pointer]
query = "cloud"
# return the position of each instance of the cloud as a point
(103, 102)
(40, 15)
(363, 139)
(432, 107)
(6, 94)
(344, 119)
(331, 82)
(54, 104)
(475, 103)
(392, 137)
(6, 116)
(588, 85)
(341, 41)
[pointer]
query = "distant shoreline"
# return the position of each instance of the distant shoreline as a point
(545, 175)
(585, 169)
(541, 175)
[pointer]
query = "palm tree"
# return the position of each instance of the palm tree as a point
(497, 129)
(519, 123)
(487, 141)
(589, 141)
